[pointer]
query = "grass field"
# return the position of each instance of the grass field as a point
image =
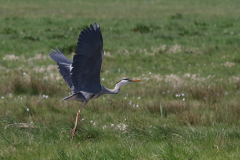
(186, 52)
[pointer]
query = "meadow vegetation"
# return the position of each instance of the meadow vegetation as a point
(186, 107)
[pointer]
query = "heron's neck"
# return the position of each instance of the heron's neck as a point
(116, 89)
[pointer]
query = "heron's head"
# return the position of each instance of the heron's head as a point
(125, 81)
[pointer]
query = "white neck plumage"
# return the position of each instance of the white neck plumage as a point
(117, 87)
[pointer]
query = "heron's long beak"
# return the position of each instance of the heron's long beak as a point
(136, 80)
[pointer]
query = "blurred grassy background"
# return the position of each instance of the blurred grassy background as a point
(186, 52)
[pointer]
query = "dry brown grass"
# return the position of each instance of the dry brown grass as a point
(237, 85)
(208, 114)
(35, 86)
(191, 104)
(211, 94)
(32, 85)
(199, 105)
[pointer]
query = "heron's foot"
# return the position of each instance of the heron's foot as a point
(73, 131)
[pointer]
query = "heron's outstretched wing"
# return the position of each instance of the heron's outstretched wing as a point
(64, 65)
(88, 60)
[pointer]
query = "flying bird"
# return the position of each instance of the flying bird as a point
(83, 73)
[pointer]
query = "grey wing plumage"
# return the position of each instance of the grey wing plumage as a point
(64, 65)
(88, 60)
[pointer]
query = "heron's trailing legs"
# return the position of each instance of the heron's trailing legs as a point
(77, 117)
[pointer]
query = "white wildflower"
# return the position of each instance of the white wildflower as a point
(130, 102)
(122, 127)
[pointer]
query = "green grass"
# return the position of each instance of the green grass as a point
(187, 106)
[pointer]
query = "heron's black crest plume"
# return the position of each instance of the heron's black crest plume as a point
(123, 79)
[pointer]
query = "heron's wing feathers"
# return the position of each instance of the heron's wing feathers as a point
(87, 96)
(64, 65)
(88, 60)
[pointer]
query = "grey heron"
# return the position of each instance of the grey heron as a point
(83, 73)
